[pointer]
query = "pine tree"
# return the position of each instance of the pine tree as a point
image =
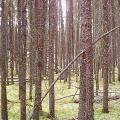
(86, 111)
(22, 23)
(40, 18)
(4, 113)
(51, 57)
(105, 55)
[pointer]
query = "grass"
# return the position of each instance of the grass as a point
(114, 111)
(64, 108)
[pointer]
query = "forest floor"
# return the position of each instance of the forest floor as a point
(67, 107)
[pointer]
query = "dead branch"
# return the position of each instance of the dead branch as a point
(94, 92)
(19, 102)
(101, 99)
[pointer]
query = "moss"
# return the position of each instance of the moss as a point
(64, 109)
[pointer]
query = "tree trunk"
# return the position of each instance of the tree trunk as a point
(86, 111)
(11, 40)
(22, 55)
(56, 36)
(105, 55)
(119, 46)
(40, 18)
(4, 113)
(51, 57)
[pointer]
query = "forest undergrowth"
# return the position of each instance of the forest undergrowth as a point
(67, 107)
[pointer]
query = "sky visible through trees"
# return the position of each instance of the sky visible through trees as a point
(64, 8)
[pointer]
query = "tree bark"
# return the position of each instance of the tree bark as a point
(22, 23)
(119, 46)
(4, 113)
(51, 57)
(86, 111)
(40, 18)
(105, 55)
(11, 39)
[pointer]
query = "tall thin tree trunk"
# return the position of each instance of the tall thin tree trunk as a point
(86, 111)
(113, 41)
(51, 57)
(11, 41)
(31, 14)
(69, 36)
(40, 18)
(22, 55)
(105, 55)
(56, 36)
(119, 45)
(4, 113)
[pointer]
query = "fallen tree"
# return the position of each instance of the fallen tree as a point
(61, 73)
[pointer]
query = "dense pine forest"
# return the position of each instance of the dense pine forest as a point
(60, 59)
